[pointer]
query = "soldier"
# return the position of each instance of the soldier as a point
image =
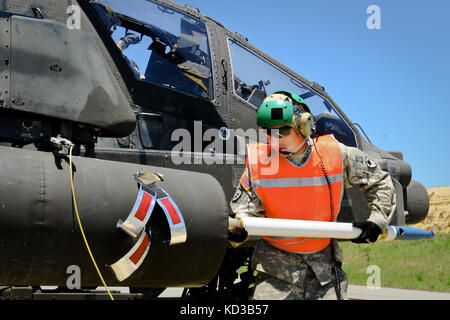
(307, 183)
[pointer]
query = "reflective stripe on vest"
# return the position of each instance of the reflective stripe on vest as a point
(293, 192)
(297, 182)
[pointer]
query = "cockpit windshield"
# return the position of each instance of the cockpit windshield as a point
(161, 45)
(255, 78)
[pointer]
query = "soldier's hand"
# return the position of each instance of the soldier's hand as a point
(370, 232)
(237, 235)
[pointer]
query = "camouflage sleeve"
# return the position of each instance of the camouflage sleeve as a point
(360, 169)
(245, 202)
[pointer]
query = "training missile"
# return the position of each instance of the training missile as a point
(320, 229)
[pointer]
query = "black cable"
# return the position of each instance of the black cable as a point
(337, 282)
(327, 178)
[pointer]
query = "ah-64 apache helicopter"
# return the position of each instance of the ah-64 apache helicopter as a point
(112, 81)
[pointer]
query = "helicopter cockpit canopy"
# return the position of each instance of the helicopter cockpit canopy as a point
(255, 78)
(160, 44)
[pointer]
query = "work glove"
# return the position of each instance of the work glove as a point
(237, 235)
(370, 232)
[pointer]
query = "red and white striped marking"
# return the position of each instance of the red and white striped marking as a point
(133, 259)
(140, 213)
(175, 219)
(135, 225)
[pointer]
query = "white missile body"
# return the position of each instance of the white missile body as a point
(319, 229)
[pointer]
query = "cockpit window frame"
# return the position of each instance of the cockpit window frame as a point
(211, 94)
(252, 106)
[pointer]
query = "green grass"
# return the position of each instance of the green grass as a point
(421, 265)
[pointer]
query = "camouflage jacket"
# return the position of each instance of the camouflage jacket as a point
(359, 169)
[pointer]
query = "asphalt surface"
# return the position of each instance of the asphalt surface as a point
(355, 292)
(364, 293)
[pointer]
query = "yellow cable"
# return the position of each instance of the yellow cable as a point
(81, 227)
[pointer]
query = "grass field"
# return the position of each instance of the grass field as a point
(421, 265)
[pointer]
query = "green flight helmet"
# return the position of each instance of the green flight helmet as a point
(296, 98)
(274, 111)
(279, 107)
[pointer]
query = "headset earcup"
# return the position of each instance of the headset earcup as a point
(306, 124)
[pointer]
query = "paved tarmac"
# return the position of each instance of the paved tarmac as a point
(364, 293)
(356, 292)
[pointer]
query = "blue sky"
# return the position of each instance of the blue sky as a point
(394, 81)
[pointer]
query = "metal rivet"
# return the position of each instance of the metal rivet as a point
(55, 67)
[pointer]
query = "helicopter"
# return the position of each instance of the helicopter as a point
(157, 102)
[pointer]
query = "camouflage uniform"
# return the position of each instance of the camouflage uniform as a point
(287, 275)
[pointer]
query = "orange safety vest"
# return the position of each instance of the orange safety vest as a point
(293, 192)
